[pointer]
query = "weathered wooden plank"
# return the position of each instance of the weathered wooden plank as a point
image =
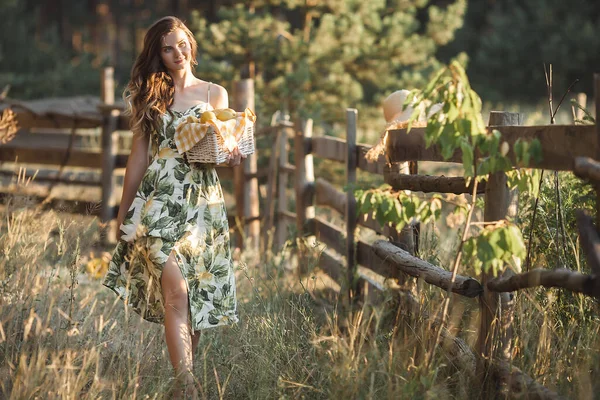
(330, 234)
(271, 190)
(366, 256)
(287, 216)
(52, 140)
(430, 184)
(77, 158)
(261, 174)
(587, 168)
(67, 177)
(73, 206)
(332, 267)
(495, 324)
(27, 120)
(282, 203)
(590, 242)
(364, 165)
(330, 148)
(289, 168)
(328, 196)
(305, 177)
(560, 277)
(432, 274)
(597, 135)
(110, 147)
(350, 214)
(561, 144)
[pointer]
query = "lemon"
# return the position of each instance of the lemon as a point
(225, 114)
(207, 116)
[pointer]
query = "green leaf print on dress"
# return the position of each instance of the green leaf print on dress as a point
(178, 209)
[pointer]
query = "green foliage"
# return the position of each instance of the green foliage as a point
(398, 208)
(459, 126)
(509, 40)
(34, 63)
(316, 58)
(494, 247)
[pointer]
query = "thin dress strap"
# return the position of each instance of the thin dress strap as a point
(208, 93)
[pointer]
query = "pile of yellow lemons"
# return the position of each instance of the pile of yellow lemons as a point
(223, 114)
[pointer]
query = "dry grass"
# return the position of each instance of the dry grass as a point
(63, 335)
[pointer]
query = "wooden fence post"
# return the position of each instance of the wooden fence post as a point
(305, 181)
(110, 140)
(282, 203)
(269, 215)
(245, 177)
(406, 238)
(597, 116)
(351, 219)
(496, 309)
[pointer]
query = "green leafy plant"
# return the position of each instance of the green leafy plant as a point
(398, 208)
(494, 247)
(459, 125)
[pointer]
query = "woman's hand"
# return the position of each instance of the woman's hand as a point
(235, 157)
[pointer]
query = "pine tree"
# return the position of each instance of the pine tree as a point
(33, 60)
(508, 42)
(318, 57)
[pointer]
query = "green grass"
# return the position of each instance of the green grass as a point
(63, 335)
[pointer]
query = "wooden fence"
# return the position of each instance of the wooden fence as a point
(55, 140)
(354, 263)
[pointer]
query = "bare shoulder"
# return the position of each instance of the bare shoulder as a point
(219, 98)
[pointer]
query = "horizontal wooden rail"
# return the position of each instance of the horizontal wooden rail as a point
(258, 175)
(289, 168)
(333, 267)
(561, 144)
(67, 177)
(334, 149)
(27, 120)
(560, 277)
(364, 165)
(287, 215)
(76, 158)
(54, 140)
(587, 168)
(327, 195)
(432, 274)
(330, 148)
(430, 184)
(590, 242)
(329, 234)
(62, 205)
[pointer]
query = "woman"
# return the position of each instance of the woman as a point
(172, 263)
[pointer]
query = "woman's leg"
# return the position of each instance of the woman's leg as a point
(177, 326)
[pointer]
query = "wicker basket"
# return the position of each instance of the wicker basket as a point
(210, 150)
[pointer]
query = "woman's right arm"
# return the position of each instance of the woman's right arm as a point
(137, 163)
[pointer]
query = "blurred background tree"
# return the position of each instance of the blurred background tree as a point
(319, 57)
(308, 56)
(508, 41)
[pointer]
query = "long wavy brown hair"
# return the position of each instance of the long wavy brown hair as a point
(149, 93)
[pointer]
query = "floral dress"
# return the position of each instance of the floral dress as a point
(178, 208)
